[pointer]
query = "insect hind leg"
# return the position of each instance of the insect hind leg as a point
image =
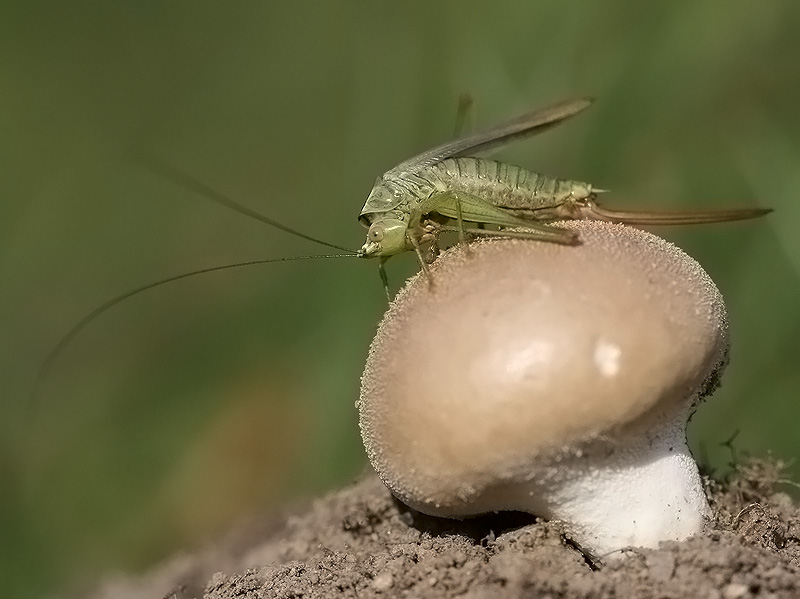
(540, 233)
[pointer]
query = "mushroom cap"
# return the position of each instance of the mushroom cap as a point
(525, 352)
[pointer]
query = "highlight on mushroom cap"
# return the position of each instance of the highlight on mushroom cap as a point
(550, 379)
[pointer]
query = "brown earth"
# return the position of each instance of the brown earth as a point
(361, 543)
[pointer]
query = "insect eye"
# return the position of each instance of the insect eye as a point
(376, 233)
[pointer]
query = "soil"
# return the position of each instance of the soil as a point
(362, 543)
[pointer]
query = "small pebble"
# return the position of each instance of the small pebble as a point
(384, 582)
(735, 590)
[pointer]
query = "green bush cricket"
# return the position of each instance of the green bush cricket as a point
(411, 204)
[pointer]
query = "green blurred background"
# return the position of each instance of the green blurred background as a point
(184, 409)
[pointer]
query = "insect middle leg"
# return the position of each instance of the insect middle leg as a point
(433, 249)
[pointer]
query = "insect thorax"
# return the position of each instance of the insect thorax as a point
(395, 193)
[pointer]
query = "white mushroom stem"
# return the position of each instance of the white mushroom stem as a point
(550, 379)
(642, 492)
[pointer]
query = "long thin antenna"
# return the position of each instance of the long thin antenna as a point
(59, 348)
(189, 182)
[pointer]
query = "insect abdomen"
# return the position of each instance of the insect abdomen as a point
(506, 185)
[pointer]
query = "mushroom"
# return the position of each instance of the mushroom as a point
(550, 379)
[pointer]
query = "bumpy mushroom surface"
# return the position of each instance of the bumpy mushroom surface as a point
(556, 380)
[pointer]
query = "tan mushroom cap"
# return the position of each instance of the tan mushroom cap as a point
(524, 350)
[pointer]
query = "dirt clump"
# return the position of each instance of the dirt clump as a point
(362, 543)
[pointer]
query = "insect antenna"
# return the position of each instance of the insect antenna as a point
(463, 115)
(189, 182)
(67, 338)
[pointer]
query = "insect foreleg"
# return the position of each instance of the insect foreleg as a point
(384, 277)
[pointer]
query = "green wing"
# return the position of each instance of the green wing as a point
(522, 126)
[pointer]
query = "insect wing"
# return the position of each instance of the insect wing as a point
(687, 217)
(522, 126)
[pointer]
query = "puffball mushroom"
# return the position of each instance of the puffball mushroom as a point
(556, 380)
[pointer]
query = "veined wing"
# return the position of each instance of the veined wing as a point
(525, 125)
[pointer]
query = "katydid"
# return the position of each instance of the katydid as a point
(413, 202)
(447, 189)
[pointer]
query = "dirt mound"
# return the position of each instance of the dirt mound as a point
(362, 543)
